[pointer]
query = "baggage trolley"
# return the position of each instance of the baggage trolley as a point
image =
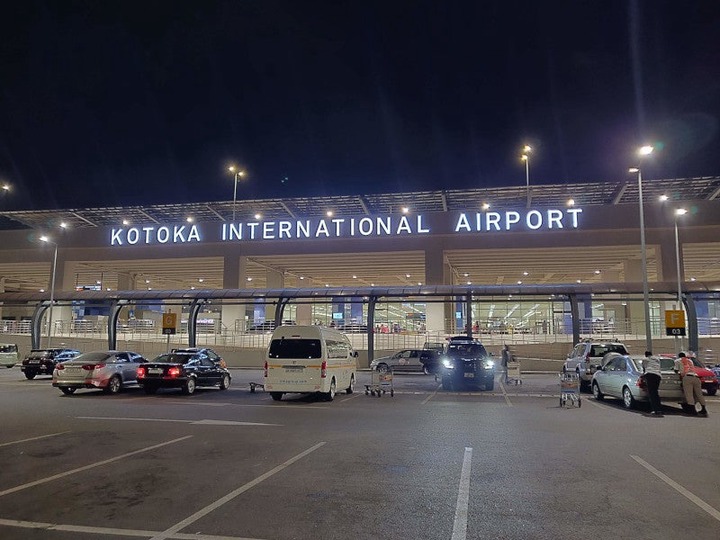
(570, 389)
(512, 373)
(381, 382)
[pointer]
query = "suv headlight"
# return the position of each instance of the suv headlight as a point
(489, 364)
(447, 363)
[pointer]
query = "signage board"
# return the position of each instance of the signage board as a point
(674, 322)
(169, 323)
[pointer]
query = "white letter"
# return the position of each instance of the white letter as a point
(303, 229)
(179, 234)
(148, 230)
(462, 223)
(163, 235)
(252, 226)
(115, 237)
(236, 231)
(574, 212)
(492, 218)
(555, 216)
(383, 225)
(284, 228)
(322, 229)
(537, 223)
(133, 235)
(420, 228)
(365, 231)
(352, 226)
(338, 222)
(404, 226)
(268, 230)
(511, 218)
(194, 234)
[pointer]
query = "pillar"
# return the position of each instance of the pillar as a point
(2, 290)
(126, 282)
(275, 280)
(233, 317)
(437, 273)
(635, 310)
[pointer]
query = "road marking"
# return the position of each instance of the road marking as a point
(205, 422)
(168, 533)
(355, 395)
(431, 395)
(593, 403)
(461, 508)
(91, 466)
(677, 487)
(109, 531)
(33, 438)
(505, 394)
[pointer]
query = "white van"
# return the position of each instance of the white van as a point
(308, 359)
(8, 354)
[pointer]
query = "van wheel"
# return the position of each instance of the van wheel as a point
(329, 396)
(277, 396)
(350, 389)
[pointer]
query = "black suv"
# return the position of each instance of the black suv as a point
(465, 362)
(43, 361)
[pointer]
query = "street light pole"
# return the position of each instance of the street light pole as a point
(526, 158)
(238, 175)
(644, 151)
(52, 288)
(678, 212)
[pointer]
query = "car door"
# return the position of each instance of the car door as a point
(209, 370)
(604, 377)
(618, 375)
(401, 361)
(124, 367)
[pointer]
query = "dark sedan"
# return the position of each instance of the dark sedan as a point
(186, 370)
(43, 361)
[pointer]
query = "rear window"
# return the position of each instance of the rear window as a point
(295, 348)
(667, 364)
(92, 357)
(173, 358)
(602, 350)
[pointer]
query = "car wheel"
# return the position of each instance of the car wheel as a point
(350, 389)
(277, 396)
(712, 391)
(189, 387)
(597, 394)
(114, 385)
(447, 383)
(31, 375)
(628, 399)
(225, 382)
(150, 389)
(426, 369)
(67, 390)
(329, 396)
(382, 368)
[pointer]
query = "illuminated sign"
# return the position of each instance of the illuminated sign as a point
(350, 227)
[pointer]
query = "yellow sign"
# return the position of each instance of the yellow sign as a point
(674, 322)
(169, 323)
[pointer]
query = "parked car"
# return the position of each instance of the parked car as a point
(424, 360)
(8, 354)
(708, 378)
(43, 361)
(465, 362)
(586, 356)
(109, 370)
(215, 357)
(621, 377)
(184, 369)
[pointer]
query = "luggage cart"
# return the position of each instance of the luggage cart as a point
(512, 375)
(381, 382)
(570, 389)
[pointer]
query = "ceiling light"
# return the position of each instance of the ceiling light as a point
(663, 198)
(597, 271)
(63, 225)
(42, 290)
(693, 279)
(249, 279)
(405, 210)
(485, 206)
(258, 216)
(419, 282)
(469, 282)
(200, 280)
(519, 282)
(189, 219)
(466, 274)
(147, 281)
(302, 277)
(525, 273)
(579, 280)
(571, 202)
(329, 213)
(407, 275)
(125, 222)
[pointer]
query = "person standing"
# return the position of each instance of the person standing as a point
(653, 376)
(506, 358)
(691, 385)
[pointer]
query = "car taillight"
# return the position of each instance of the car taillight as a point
(140, 372)
(640, 383)
(59, 367)
(174, 371)
(266, 368)
(323, 370)
(90, 367)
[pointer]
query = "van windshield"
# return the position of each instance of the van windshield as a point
(295, 348)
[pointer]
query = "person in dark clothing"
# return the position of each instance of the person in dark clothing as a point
(653, 376)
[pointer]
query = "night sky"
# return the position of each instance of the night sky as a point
(118, 103)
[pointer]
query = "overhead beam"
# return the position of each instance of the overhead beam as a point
(211, 209)
(443, 199)
(714, 195)
(364, 204)
(287, 209)
(84, 219)
(619, 193)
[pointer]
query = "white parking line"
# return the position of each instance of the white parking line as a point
(169, 533)
(431, 395)
(205, 422)
(677, 487)
(461, 508)
(505, 394)
(91, 466)
(136, 533)
(348, 398)
(33, 438)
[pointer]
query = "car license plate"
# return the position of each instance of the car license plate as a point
(469, 375)
(34, 362)
(155, 371)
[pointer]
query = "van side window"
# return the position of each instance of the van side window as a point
(337, 349)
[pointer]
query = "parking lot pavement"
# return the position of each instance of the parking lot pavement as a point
(422, 464)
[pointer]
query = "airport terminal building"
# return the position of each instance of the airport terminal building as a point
(549, 263)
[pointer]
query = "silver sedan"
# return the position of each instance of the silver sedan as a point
(107, 370)
(620, 377)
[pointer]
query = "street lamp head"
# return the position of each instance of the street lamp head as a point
(527, 149)
(680, 211)
(6, 187)
(231, 168)
(633, 170)
(645, 150)
(44, 238)
(524, 157)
